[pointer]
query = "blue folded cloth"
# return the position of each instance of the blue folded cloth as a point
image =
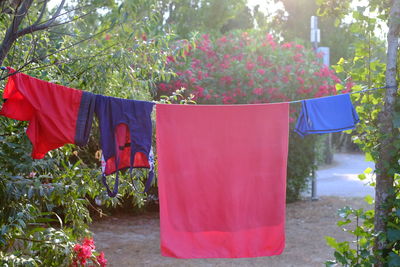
(326, 115)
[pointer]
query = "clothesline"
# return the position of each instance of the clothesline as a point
(300, 100)
(355, 92)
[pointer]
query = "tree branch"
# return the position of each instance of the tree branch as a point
(11, 36)
(57, 51)
(41, 13)
(38, 27)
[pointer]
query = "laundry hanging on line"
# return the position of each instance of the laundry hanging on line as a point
(57, 114)
(222, 175)
(326, 115)
(125, 137)
(222, 179)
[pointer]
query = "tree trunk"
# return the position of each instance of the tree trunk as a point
(384, 179)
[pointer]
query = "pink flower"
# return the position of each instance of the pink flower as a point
(269, 37)
(108, 37)
(299, 47)
(258, 91)
(272, 44)
(300, 79)
(261, 71)
(226, 79)
(250, 65)
(222, 39)
(349, 86)
(101, 260)
(77, 247)
(206, 37)
(85, 253)
(285, 79)
(200, 75)
(200, 91)
(251, 83)
(298, 57)
(287, 45)
(170, 59)
(272, 90)
(162, 87)
(88, 242)
(224, 66)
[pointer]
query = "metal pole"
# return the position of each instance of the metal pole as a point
(315, 38)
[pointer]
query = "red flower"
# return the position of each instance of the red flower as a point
(88, 242)
(101, 260)
(77, 247)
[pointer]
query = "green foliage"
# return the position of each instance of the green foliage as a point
(367, 69)
(212, 16)
(115, 48)
(358, 223)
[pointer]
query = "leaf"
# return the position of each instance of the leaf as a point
(330, 263)
(340, 258)
(368, 157)
(396, 119)
(394, 259)
(370, 200)
(330, 241)
(393, 235)
(368, 170)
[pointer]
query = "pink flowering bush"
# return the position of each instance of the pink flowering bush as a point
(246, 68)
(85, 255)
(249, 68)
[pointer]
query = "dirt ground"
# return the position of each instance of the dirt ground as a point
(134, 240)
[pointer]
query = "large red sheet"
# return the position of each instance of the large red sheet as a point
(222, 179)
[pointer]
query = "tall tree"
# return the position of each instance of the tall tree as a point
(296, 24)
(387, 151)
(187, 16)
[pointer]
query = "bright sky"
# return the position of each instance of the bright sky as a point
(267, 8)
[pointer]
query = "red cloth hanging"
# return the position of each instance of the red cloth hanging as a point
(57, 114)
(222, 179)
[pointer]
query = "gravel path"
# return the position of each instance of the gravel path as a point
(341, 178)
(134, 240)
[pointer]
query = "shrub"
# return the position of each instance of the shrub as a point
(253, 67)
